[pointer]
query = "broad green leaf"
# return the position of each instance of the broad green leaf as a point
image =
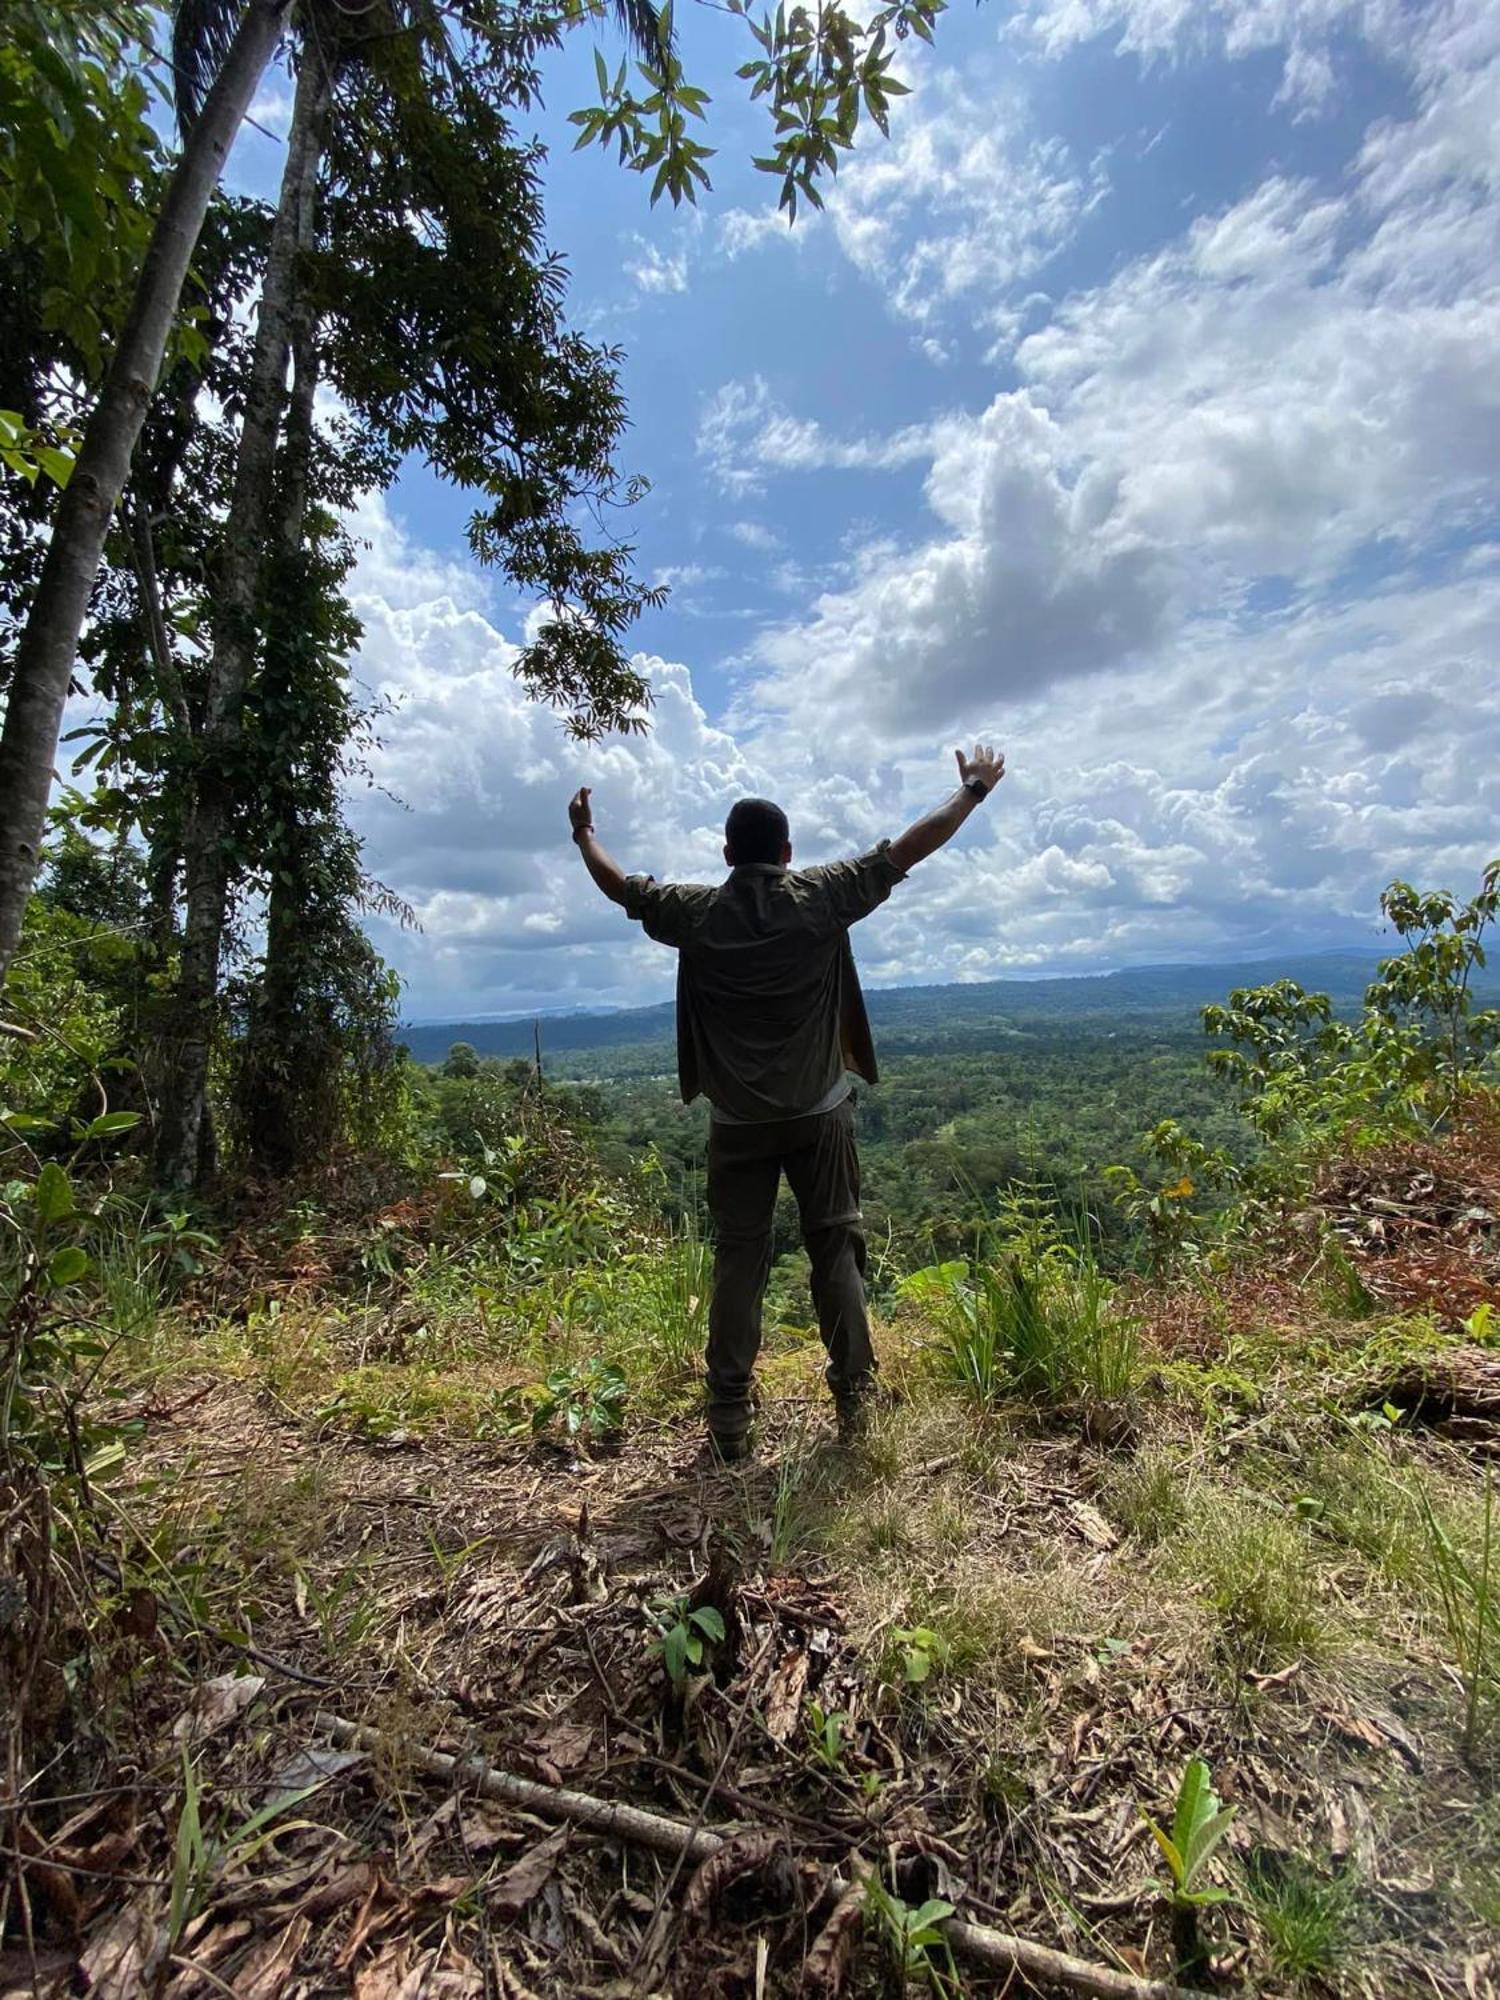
(1191, 1804)
(68, 1265)
(54, 1193)
(58, 465)
(1206, 1837)
(110, 1122)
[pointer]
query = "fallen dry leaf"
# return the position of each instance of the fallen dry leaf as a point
(54, 1886)
(682, 1525)
(741, 1855)
(565, 1747)
(472, 1827)
(1092, 1525)
(264, 1974)
(509, 1895)
(784, 1698)
(113, 1962)
(24, 1974)
(214, 1704)
(313, 1764)
(827, 1963)
(348, 1884)
(432, 1975)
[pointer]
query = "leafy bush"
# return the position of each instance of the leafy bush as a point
(64, 1003)
(1036, 1318)
(589, 1398)
(680, 1636)
(1304, 1080)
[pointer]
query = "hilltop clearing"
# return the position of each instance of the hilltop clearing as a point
(967, 1658)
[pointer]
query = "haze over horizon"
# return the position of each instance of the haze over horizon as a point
(1134, 406)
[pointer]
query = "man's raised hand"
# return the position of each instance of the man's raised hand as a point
(987, 764)
(580, 812)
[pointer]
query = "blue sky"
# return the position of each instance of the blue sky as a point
(1134, 405)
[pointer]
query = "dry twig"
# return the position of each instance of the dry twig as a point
(998, 1950)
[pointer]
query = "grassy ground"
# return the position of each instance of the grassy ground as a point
(970, 1656)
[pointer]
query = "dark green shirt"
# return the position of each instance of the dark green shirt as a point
(769, 1011)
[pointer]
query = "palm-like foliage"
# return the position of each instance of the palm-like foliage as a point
(202, 31)
(644, 27)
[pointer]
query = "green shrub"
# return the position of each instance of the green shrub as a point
(1037, 1320)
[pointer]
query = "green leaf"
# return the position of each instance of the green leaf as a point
(674, 1652)
(1206, 1837)
(53, 1194)
(67, 1266)
(110, 1122)
(1193, 1803)
(23, 1121)
(1168, 1848)
(708, 1620)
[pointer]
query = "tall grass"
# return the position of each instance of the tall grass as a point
(669, 1291)
(1031, 1316)
(1469, 1598)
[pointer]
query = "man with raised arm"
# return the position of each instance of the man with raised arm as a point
(770, 1020)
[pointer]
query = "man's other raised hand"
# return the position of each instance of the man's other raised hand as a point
(987, 764)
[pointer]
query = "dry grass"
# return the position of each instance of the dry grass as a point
(1242, 1578)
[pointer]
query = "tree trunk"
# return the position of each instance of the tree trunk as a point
(49, 644)
(277, 1051)
(206, 857)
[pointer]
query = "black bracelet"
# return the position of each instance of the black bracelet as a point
(583, 829)
(978, 787)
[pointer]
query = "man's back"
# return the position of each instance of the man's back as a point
(768, 1003)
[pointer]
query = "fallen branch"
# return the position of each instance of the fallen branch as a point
(998, 1950)
(632, 1823)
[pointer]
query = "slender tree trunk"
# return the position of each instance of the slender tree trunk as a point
(161, 900)
(206, 858)
(49, 644)
(277, 1052)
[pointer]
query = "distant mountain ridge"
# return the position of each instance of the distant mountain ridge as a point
(1133, 995)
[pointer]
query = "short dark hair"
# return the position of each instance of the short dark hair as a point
(755, 830)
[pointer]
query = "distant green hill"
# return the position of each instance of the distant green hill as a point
(933, 1016)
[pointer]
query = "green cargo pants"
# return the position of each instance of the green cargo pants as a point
(745, 1165)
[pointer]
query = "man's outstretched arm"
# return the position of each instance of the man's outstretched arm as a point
(977, 778)
(606, 871)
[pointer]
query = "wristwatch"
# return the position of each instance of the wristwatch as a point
(978, 787)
